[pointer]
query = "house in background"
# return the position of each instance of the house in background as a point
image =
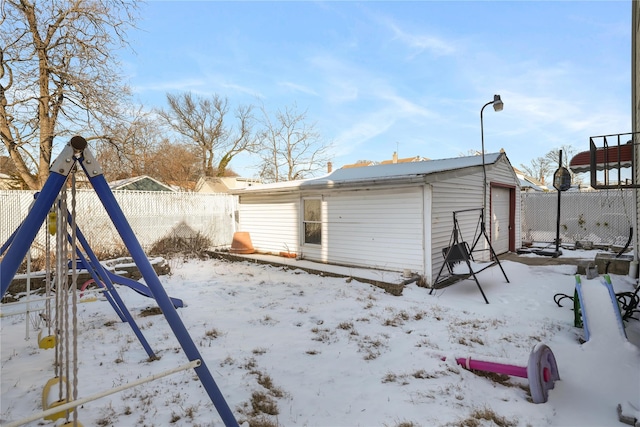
(223, 184)
(8, 183)
(394, 159)
(139, 183)
(528, 184)
(394, 217)
(8, 174)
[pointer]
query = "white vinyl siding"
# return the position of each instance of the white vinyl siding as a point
(380, 224)
(272, 222)
(457, 194)
(460, 194)
(376, 228)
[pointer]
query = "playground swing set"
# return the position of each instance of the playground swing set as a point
(50, 206)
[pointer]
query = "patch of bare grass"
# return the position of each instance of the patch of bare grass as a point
(479, 415)
(263, 403)
(150, 311)
(324, 335)
(372, 347)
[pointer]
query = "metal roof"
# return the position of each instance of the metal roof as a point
(395, 173)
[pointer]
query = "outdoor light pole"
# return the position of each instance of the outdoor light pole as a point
(497, 106)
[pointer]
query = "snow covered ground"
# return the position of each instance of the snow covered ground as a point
(290, 348)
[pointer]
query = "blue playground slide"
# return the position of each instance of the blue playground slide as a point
(140, 288)
(601, 317)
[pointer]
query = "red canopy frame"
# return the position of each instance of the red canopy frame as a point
(605, 158)
(609, 153)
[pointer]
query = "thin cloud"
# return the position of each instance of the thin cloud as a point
(170, 86)
(420, 43)
(341, 80)
(241, 89)
(362, 131)
(417, 42)
(405, 107)
(298, 88)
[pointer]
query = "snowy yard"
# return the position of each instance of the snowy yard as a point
(290, 348)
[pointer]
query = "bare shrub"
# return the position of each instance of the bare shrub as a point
(195, 244)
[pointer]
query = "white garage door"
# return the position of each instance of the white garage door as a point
(500, 219)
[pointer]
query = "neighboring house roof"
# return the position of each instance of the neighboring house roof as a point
(387, 174)
(405, 160)
(529, 183)
(8, 182)
(393, 160)
(359, 164)
(139, 183)
(526, 185)
(5, 181)
(212, 184)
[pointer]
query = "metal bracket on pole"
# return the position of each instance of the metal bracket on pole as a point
(91, 166)
(63, 164)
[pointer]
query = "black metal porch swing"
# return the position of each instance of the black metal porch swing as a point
(458, 251)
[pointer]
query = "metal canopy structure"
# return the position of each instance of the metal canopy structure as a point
(609, 155)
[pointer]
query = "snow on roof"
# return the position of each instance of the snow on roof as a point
(529, 182)
(377, 173)
(526, 184)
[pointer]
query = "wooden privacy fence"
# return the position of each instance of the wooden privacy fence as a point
(153, 216)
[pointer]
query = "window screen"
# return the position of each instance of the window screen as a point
(311, 221)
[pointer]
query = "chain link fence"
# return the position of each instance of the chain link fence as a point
(601, 217)
(183, 219)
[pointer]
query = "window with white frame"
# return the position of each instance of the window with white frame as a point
(311, 221)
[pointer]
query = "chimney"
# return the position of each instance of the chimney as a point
(395, 157)
(329, 167)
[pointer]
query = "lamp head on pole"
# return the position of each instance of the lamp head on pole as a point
(497, 103)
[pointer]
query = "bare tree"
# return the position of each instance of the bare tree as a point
(204, 122)
(543, 168)
(290, 147)
(57, 75)
(130, 144)
(539, 168)
(174, 163)
(568, 151)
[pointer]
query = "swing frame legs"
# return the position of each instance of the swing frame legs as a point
(74, 153)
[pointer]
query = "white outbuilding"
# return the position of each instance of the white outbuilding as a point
(395, 217)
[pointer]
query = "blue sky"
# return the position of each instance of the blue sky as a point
(376, 76)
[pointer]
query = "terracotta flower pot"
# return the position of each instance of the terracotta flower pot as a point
(241, 243)
(288, 254)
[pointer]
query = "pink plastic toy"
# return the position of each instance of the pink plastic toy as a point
(541, 371)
